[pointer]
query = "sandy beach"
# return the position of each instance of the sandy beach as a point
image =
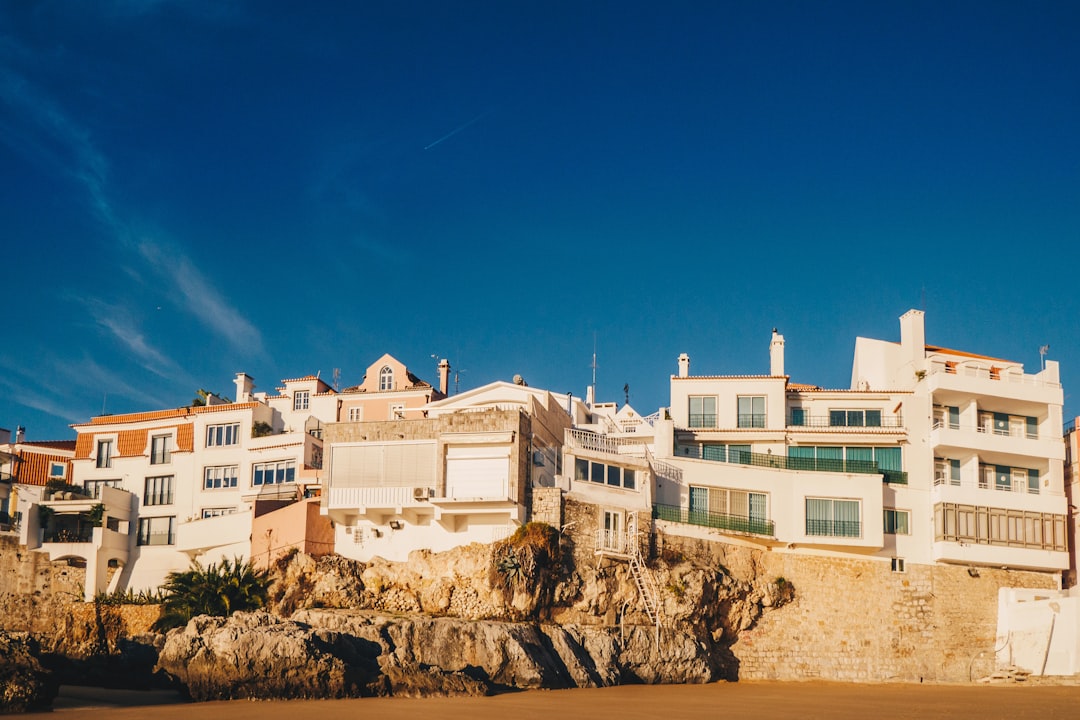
(806, 701)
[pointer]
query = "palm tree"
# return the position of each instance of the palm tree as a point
(218, 590)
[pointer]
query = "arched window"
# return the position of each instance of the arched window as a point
(386, 379)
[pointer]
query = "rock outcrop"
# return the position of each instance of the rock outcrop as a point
(24, 684)
(340, 653)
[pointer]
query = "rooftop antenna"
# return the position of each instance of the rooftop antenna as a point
(104, 397)
(626, 392)
(457, 380)
(594, 366)
(337, 378)
(1043, 349)
(437, 359)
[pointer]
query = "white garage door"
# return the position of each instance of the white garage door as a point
(477, 471)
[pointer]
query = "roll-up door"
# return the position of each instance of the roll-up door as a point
(477, 471)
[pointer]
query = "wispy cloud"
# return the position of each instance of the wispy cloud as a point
(202, 299)
(123, 327)
(86, 372)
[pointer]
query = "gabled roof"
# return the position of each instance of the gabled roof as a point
(164, 414)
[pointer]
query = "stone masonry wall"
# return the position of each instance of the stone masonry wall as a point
(547, 506)
(855, 619)
(34, 592)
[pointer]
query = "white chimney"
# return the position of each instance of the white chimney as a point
(20, 434)
(590, 396)
(444, 376)
(684, 365)
(776, 354)
(913, 335)
(244, 387)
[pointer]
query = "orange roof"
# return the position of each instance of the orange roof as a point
(52, 444)
(961, 353)
(802, 386)
(131, 443)
(730, 377)
(163, 414)
(33, 468)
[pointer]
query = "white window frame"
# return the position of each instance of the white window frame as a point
(831, 528)
(897, 513)
(165, 455)
(751, 416)
(386, 378)
(286, 469)
(356, 414)
(150, 527)
(214, 512)
(223, 435)
(103, 455)
(159, 490)
(397, 411)
(704, 419)
(218, 477)
(301, 400)
(53, 467)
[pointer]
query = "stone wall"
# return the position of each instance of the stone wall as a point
(857, 620)
(34, 592)
(547, 506)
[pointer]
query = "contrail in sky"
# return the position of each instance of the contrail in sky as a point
(456, 130)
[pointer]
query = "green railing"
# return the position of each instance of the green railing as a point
(781, 462)
(720, 521)
(834, 528)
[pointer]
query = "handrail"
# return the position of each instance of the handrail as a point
(719, 521)
(820, 421)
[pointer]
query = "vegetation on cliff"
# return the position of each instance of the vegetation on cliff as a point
(217, 589)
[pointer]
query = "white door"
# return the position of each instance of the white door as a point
(478, 471)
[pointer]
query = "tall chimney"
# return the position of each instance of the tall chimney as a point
(444, 377)
(913, 335)
(20, 434)
(776, 354)
(244, 387)
(684, 365)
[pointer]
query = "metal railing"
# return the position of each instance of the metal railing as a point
(595, 442)
(751, 420)
(719, 521)
(81, 534)
(1009, 375)
(834, 528)
(1011, 431)
(782, 462)
(822, 421)
(706, 420)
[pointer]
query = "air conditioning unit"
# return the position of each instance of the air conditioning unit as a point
(421, 493)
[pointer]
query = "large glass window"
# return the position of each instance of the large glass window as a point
(386, 379)
(274, 473)
(160, 453)
(159, 490)
(215, 478)
(93, 487)
(614, 475)
(855, 418)
(157, 531)
(832, 517)
(752, 411)
(702, 411)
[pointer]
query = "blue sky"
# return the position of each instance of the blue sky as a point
(192, 189)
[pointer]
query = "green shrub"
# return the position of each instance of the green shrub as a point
(218, 590)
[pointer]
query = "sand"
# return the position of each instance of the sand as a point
(758, 700)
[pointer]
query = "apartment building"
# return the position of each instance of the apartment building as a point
(155, 490)
(25, 468)
(460, 471)
(931, 456)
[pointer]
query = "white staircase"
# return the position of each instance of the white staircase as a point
(643, 578)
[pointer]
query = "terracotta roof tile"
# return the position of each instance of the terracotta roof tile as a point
(961, 353)
(165, 414)
(32, 468)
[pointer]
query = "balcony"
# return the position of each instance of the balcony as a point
(596, 443)
(979, 378)
(717, 521)
(985, 439)
(832, 423)
(781, 462)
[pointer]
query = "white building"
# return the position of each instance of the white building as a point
(932, 455)
(163, 488)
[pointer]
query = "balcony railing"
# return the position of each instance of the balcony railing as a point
(80, 534)
(719, 521)
(595, 442)
(834, 528)
(751, 420)
(699, 420)
(1009, 375)
(781, 462)
(826, 421)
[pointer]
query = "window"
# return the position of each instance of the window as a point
(356, 414)
(217, 512)
(159, 450)
(702, 411)
(57, 470)
(614, 475)
(274, 473)
(723, 453)
(157, 531)
(219, 477)
(752, 411)
(159, 490)
(836, 518)
(851, 459)
(947, 415)
(221, 435)
(397, 411)
(998, 526)
(712, 505)
(300, 400)
(93, 487)
(798, 417)
(855, 418)
(897, 522)
(386, 379)
(898, 565)
(946, 471)
(104, 453)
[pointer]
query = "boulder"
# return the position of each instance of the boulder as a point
(25, 685)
